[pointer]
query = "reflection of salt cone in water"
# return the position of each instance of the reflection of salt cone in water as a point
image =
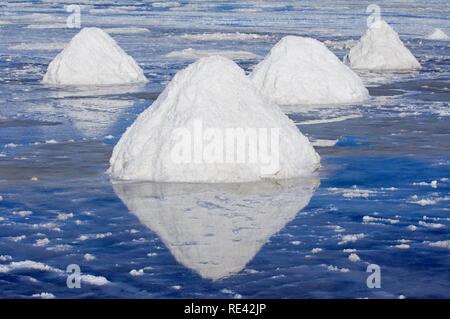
(94, 117)
(94, 110)
(216, 229)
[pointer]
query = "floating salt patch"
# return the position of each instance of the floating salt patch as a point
(22, 213)
(381, 49)
(50, 225)
(353, 192)
(436, 218)
(438, 34)
(166, 4)
(17, 238)
(5, 258)
(370, 220)
(351, 238)
(11, 145)
(94, 236)
(324, 143)
(440, 244)
(41, 242)
(64, 216)
(93, 58)
(354, 258)
(335, 268)
(211, 97)
(389, 188)
(38, 46)
(126, 30)
(337, 228)
(433, 184)
(47, 26)
(28, 264)
(423, 201)
(194, 54)
(340, 45)
(94, 280)
(431, 225)
(89, 257)
(219, 36)
(44, 295)
(302, 70)
(59, 247)
(136, 273)
(330, 120)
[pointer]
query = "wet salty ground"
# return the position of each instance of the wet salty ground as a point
(383, 192)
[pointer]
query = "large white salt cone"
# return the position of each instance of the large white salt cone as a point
(301, 70)
(438, 35)
(211, 124)
(379, 49)
(93, 58)
(216, 229)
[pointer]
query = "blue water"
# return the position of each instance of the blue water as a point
(226, 241)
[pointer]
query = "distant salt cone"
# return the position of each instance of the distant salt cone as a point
(192, 132)
(438, 34)
(93, 58)
(301, 70)
(381, 49)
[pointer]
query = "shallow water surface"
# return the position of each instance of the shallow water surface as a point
(383, 192)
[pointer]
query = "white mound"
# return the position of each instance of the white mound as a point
(438, 34)
(216, 229)
(93, 58)
(203, 128)
(302, 70)
(381, 49)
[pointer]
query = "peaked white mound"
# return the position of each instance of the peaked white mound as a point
(381, 49)
(209, 99)
(302, 70)
(438, 34)
(93, 58)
